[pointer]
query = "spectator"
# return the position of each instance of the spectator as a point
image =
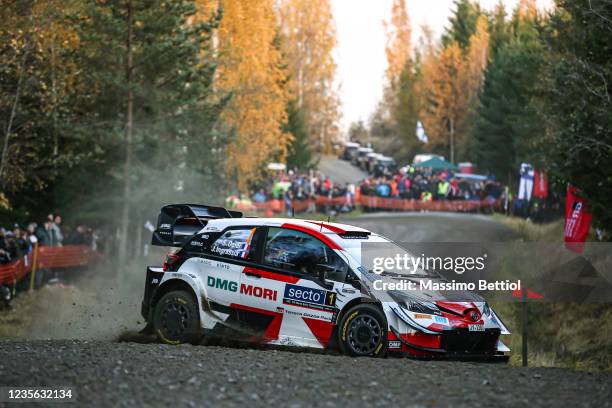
(79, 236)
(58, 237)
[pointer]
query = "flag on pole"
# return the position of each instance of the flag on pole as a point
(540, 184)
(420, 132)
(578, 218)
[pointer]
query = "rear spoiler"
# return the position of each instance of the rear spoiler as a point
(176, 223)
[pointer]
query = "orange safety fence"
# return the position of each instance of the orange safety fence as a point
(47, 258)
(373, 202)
(400, 204)
(279, 206)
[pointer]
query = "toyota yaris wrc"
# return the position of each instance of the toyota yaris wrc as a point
(298, 283)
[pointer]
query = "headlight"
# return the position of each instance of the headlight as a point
(419, 306)
(486, 310)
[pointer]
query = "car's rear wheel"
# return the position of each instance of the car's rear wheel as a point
(176, 319)
(363, 331)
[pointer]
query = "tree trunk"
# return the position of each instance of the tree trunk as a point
(9, 127)
(127, 187)
(452, 141)
(54, 100)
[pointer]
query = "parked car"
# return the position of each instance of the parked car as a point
(347, 149)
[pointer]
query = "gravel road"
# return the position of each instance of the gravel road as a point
(340, 171)
(134, 375)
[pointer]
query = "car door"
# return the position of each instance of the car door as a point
(290, 301)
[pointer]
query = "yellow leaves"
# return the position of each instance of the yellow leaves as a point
(451, 82)
(4, 202)
(308, 40)
(477, 55)
(398, 47)
(527, 10)
(250, 68)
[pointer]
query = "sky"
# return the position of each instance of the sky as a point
(360, 53)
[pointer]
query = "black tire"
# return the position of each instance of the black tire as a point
(363, 332)
(176, 319)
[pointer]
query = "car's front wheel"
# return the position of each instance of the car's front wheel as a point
(363, 331)
(176, 319)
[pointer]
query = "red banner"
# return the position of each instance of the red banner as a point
(577, 220)
(540, 184)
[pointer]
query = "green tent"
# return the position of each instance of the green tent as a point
(437, 164)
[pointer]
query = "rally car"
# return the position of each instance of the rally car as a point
(298, 283)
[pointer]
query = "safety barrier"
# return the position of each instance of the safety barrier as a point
(45, 258)
(373, 202)
(398, 204)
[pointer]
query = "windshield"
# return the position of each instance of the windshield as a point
(385, 248)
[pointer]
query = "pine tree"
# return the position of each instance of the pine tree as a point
(462, 24)
(167, 146)
(300, 153)
(508, 124)
(577, 102)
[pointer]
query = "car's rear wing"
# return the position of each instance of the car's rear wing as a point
(176, 223)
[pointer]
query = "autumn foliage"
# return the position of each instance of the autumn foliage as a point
(250, 67)
(308, 40)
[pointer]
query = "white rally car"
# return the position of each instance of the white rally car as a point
(298, 283)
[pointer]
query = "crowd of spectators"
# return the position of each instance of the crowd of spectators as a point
(293, 185)
(18, 241)
(423, 184)
(427, 185)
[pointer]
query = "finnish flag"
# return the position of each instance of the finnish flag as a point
(420, 132)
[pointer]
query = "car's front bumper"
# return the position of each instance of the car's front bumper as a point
(452, 343)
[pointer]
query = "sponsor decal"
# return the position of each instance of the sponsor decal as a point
(258, 291)
(249, 290)
(441, 320)
(308, 315)
(476, 327)
(309, 297)
(165, 226)
(222, 284)
(422, 316)
(395, 344)
(197, 243)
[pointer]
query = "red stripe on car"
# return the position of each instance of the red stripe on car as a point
(273, 328)
(313, 232)
(271, 275)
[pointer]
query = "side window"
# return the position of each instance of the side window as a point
(201, 243)
(299, 252)
(237, 243)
